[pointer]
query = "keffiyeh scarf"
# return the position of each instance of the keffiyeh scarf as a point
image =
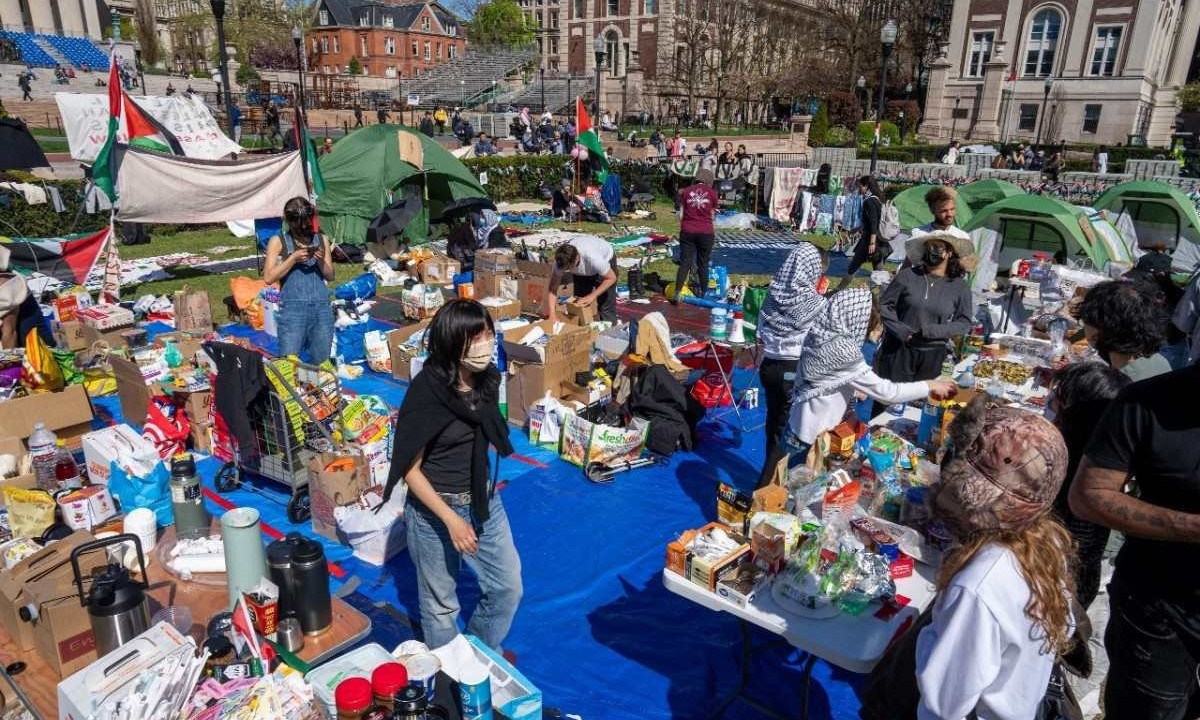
(832, 355)
(793, 303)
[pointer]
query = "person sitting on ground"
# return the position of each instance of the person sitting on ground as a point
(560, 199)
(170, 89)
(592, 263)
(189, 90)
(1002, 614)
(484, 147)
(1126, 326)
(606, 122)
(950, 156)
(831, 371)
(381, 114)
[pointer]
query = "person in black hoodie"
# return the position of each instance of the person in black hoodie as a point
(449, 417)
(924, 307)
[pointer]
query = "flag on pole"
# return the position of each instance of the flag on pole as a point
(587, 137)
(127, 124)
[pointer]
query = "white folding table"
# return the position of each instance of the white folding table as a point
(851, 643)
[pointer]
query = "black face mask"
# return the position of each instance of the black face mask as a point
(934, 255)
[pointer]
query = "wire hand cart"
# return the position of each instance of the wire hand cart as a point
(298, 417)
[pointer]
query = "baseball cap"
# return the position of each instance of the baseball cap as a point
(1002, 469)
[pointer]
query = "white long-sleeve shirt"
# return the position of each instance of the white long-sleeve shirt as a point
(981, 652)
(812, 417)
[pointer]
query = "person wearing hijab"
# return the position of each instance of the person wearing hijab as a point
(794, 303)
(449, 418)
(831, 370)
(1003, 608)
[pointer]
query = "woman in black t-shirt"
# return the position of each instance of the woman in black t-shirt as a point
(450, 416)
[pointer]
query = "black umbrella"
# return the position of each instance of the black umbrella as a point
(458, 208)
(393, 220)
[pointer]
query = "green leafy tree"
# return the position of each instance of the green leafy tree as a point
(354, 68)
(500, 23)
(820, 127)
(1189, 97)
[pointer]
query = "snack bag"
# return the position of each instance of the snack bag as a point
(841, 495)
(42, 372)
(30, 512)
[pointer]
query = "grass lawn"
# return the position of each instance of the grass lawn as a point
(217, 286)
(698, 132)
(52, 145)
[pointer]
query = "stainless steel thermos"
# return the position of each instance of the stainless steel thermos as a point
(115, 602)
(297, 566)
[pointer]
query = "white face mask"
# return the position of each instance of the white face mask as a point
(479, 355)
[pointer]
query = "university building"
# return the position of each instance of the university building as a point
(390, 38)
(1094, 71)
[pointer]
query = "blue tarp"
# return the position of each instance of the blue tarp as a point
(596, 630)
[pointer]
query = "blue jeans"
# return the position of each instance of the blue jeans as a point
(305, 326)
(496, 565)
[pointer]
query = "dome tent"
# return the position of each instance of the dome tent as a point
(1161, 215)
(364, 174)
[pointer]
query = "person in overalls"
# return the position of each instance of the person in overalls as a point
(301, 261)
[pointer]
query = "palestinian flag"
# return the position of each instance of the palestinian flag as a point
(136, 126)
(316, 181)
(587, 136)
(69, 259)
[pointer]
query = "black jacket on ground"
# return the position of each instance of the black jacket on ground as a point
(673, 413)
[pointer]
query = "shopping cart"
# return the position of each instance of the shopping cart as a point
(298, 417)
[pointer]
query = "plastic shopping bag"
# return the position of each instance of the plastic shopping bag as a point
(166, 426)
(376, 534)
(42, 373)
(151, 491)
(360, 288)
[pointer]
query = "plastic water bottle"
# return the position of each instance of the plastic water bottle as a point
(66, 470)
(501, 360)
(43, 449)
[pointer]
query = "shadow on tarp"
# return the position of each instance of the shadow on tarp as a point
(596, 631)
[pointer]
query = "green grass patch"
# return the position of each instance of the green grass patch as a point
(53, 146)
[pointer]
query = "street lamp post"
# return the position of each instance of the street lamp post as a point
(1046, 88)
(297, 40)
(598, 48)
(570, 97)
(542, 73)
(887, 37)
(903, 127)
(218, 11)
(861, 94)
(137, 60)
(954, 118)
(908, 91)
(462, 93)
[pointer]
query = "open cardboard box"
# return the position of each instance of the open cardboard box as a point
(401, 359)
(62, 631)
(579, 314)
(52, 561)
(68, 413)
(328, 490)
(507, 310)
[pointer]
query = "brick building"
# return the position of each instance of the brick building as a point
(390, 38)
(1102, 71)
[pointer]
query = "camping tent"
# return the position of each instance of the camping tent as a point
(1020, 225)
(972, 198)
(981, 193)
(364, 174)
(1161, 216)
(18, 149)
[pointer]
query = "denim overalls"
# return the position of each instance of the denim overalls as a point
(305, 320)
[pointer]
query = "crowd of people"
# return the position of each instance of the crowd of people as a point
(1033, 502)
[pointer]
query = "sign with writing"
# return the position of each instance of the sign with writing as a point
(414, 99)
(85, 119)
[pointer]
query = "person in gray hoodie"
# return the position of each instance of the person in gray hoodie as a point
(924, 307)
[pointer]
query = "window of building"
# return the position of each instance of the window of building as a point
(553, 46)
(1027, 117)
(428, 55)
(614, 7)
(362, 41)
(415, 50)
(579, 8)
(1091, 118)
(538, 20)
(612, 42)
(323, 17)
(452, 31)
(425, 23)
(325, 69)
(388, 21)
(981, 52)
(315, 47)
(1042, 44)
(451, 52)
(554, 20)
(336, 45)
(1105, 48)
(438, 50)
(324, 45)
(364, 19)
(389, 46)
(651, 7)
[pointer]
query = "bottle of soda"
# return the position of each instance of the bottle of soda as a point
(66, 470)
(43, 449)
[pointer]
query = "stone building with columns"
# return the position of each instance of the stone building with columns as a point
(1092, 71)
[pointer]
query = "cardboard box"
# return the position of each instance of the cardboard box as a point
(533, 284)
(120, 444)
(580, 314)
(569, 345)
(768, 545)
(202, 437)
(495, 260)
(132, 390)
(772, 498)
(69, 334)
(506, 310)
(105, 318)
(112, 337)
(328, 490)
(707, 572)
(87, 507)
(16, 448)
(439, 270)
(733, 507)
(118, 671)
(193, 312)
(740, 586)
(68, 413)
(62, 631)
(52, 561)
(401, 354)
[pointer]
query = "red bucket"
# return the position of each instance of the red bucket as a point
(700, 356)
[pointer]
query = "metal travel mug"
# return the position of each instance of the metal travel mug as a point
(279, 568)
(313, 604)
(245, 561)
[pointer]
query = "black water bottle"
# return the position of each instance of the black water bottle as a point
(312, 603)
(279, 566)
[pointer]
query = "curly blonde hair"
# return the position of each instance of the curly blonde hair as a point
(1044, 552)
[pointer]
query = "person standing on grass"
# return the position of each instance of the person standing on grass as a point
(794, 304)
(867, 249)
(301, 261)
(448, 420)
(698, 204)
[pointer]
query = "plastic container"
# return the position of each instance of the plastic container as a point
(387, 680)
(43, 450)
(360, 662)
(719, 323)
(352, 697)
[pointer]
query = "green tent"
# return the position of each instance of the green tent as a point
(1025, 224)
(1161, 215)
(981, 193)
(364, 174)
